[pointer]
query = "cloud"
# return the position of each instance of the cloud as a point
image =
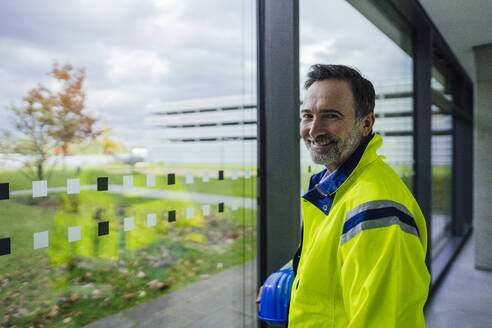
(135, 64)
(151, 51)
(134, 52)
(334, 32)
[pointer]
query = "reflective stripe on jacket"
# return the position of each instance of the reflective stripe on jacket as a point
(362, 262)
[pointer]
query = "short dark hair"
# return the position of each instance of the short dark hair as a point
(362, 89)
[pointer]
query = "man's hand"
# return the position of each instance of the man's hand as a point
(258, 298)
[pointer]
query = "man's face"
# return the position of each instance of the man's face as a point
(329, 125)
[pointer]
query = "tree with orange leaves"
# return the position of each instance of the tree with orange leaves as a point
(71, 122)
(48, 119)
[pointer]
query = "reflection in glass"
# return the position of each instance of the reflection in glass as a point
(348, 38)
(98, 211)
(442, 166)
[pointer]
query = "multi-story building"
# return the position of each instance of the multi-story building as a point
(222, 130)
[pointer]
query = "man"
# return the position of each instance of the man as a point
(361, 260)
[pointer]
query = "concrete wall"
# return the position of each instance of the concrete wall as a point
(483, 157)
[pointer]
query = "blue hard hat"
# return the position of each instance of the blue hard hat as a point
(275, 296)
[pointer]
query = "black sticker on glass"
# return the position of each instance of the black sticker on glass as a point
(171, 179)
(103, 228)
(4, 191)
(309, 168)
(102, 183)
(171, 216)
(221, 174)
(221, 207)
(4, 246)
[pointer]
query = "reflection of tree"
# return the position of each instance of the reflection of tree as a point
(33, 120)
(49, 119)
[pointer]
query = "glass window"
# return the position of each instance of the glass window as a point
(334, 32)
(128, 163)
(442, 161)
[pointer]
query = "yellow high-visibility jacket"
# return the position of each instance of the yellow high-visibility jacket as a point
(361, 262)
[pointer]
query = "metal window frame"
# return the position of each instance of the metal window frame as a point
(422, 63)
(278, 143)
(442, 57)
(278, 134)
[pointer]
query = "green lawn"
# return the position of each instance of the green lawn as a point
(442, 190)
(240, 187)
(101, 275)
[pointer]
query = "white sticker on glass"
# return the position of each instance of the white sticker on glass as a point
(206, 176)
(151, 219)
(73, 186)
(40, 239)
(40, 188)
(206, 210)
(189, 178)
(235, 205)
(248, 203)
(234, 174)
(150, 180)
(127, 181)
(128, 224)
(247, 174)
(190, 213)
(74, 234)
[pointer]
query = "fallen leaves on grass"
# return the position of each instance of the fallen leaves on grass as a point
(156, 284)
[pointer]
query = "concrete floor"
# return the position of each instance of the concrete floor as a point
(212, 303)
(464, 298)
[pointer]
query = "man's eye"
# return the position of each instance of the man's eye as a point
(306, 116)
(330, 116)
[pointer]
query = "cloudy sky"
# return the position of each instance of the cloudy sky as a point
(150, 51)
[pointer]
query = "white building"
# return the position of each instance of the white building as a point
(222, 130)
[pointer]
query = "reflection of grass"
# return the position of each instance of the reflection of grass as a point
(240, 187)
(212, 166)
(441, 190)
(98, 276)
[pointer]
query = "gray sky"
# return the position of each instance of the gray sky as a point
(147, 51)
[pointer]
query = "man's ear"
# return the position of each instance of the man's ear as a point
(367, 123)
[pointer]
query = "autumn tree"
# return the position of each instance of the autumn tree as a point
(33, 120)
(71, 121)
(53, 118)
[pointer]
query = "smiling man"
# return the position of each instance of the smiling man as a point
(361, 260)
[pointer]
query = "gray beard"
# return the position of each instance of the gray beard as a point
(333, 155)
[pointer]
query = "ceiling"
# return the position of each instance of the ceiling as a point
(463, 24)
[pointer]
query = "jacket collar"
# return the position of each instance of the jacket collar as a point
(360, 157)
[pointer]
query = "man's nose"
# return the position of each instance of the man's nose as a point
(316, 128)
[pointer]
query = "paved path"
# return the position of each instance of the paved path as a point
(224, 300)
(161, 194)
(464, 298)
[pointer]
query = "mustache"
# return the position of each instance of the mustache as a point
(322, 138)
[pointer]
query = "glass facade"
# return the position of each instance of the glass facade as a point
(363, 35)
(380, 59)
(442, 161)
(128, 162)
(128, 172)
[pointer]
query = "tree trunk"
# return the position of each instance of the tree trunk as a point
(40, 170)
(64, 153)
